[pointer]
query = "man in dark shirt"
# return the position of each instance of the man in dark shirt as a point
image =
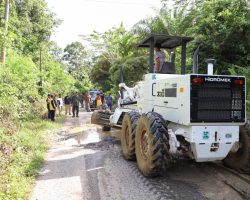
(75, 103)
(67, 102)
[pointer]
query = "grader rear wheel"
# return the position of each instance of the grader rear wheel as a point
(128, 134)
(240, 160)
(151, 145)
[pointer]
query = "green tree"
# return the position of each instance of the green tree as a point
(75, 55)
(100, 75)
(169, 20)
(55, 51)
(54, 77)
(76, 58)
(113, 46)
(32, 24)
(115, 43)
(133, 70)
(222, 27)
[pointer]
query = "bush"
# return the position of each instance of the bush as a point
(17, 87)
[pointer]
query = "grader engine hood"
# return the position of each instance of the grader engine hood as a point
(198, 99)
(217, 99)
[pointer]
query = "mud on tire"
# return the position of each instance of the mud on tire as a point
(128, 134)
(106, 128)
(240, 160)
(152, 145)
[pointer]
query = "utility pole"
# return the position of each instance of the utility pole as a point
(40, 83)
(6, 19)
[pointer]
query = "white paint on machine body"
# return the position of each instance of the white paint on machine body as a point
(169, 95)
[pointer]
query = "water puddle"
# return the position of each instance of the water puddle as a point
(80, 136)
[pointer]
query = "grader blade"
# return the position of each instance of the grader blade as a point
(101, 118)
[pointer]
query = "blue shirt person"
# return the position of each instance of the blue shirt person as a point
(109, 101)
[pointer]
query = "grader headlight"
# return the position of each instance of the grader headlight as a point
(239, 82)
(197, 80)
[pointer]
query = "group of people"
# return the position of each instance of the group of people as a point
(102, 102)
(54, 103)
(71, 103)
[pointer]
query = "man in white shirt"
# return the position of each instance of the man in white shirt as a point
(159, 59)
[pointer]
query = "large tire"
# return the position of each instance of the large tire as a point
(128, 134)
(240, 160)
(106, 128)
(152, 145)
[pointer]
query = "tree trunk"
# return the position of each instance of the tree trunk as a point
(6, 18)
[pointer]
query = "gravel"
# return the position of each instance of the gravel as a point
(76, 170)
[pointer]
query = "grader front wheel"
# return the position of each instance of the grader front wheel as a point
(151, 145)
(128, 134)
(240, 160)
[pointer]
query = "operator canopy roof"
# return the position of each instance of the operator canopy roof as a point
(164, 41)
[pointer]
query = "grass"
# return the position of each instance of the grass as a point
(21, 156)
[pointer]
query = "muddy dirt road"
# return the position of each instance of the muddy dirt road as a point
(85, 163)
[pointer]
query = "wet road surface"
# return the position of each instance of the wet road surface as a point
(86, 163)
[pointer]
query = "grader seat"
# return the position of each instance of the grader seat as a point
(168, 68)
(166, 42)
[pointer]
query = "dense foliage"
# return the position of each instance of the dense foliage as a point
(34, 65)
(222, 27)
(76, 59)
(111, 50)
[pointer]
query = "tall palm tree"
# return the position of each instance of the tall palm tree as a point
(169, 20)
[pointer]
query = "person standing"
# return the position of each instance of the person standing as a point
(54, 97)
(60, 104)
(102, 96)
(109, 101)
(75, 100)
(67, 102)
(52, 107)
(87, 99)
(81, 99)
(99, 102)
(47, 101)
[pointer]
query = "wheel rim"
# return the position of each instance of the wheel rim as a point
(144, 144)
(127, 135)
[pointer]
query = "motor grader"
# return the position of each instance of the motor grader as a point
(166, 115)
